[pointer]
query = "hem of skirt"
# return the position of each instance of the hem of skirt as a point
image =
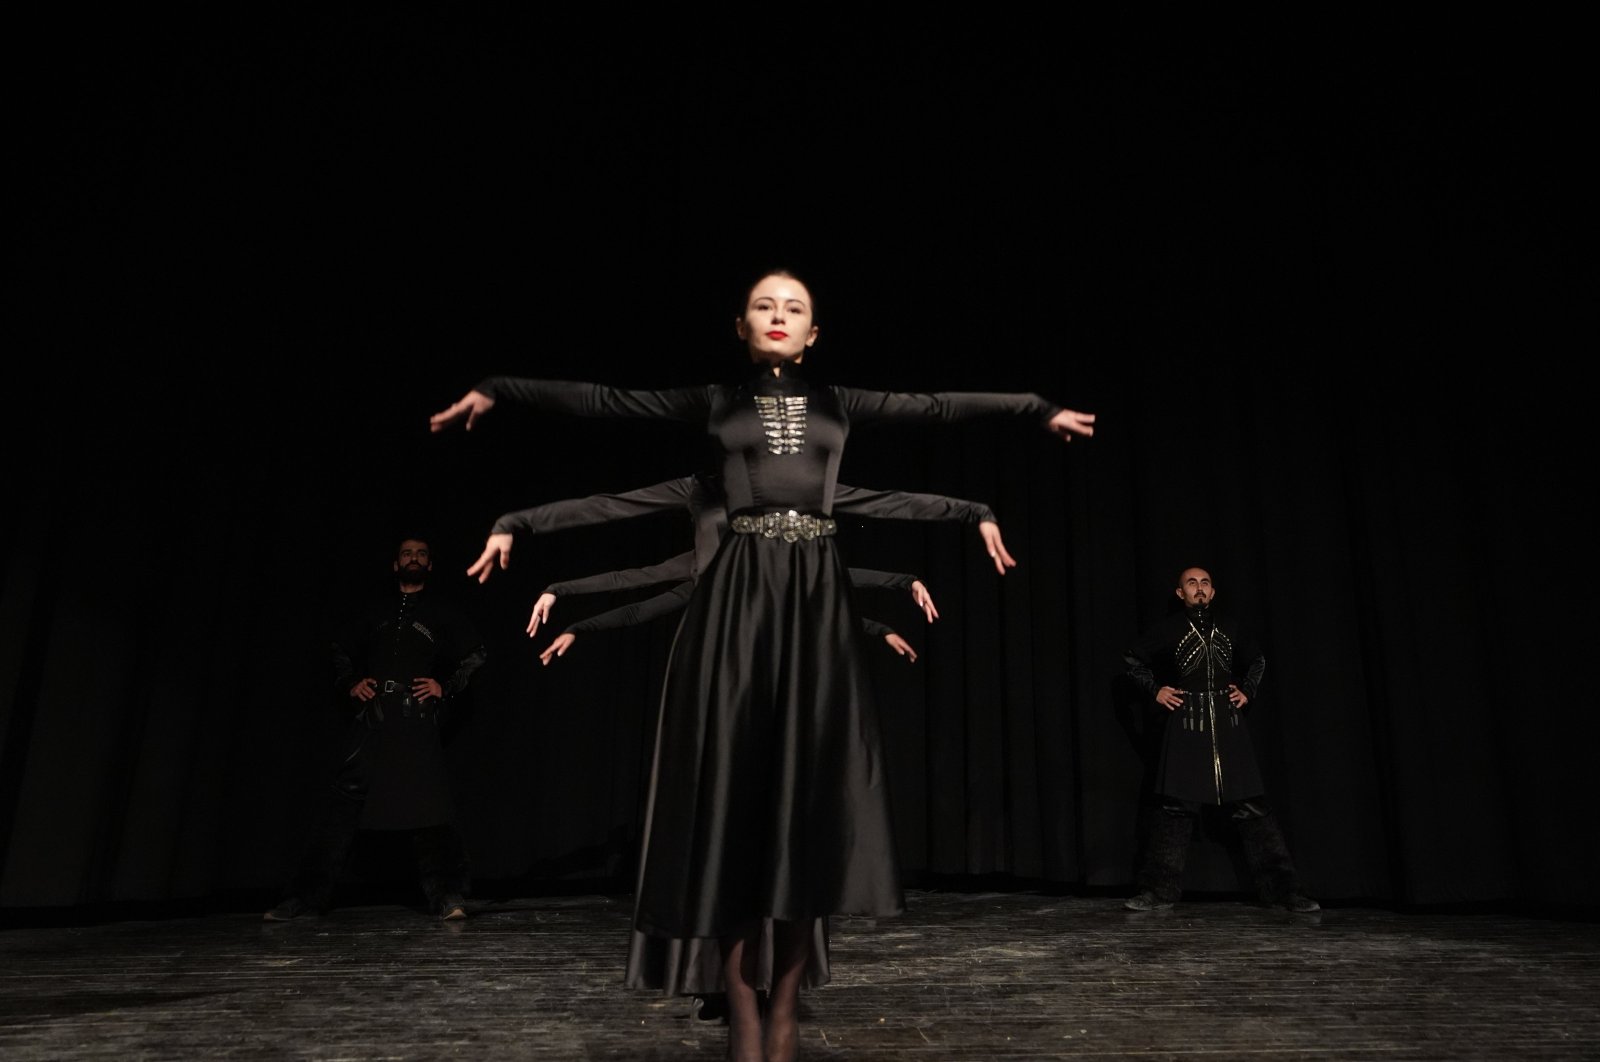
(651, 929)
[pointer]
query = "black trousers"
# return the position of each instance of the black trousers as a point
(442, 866)
(1171, 828)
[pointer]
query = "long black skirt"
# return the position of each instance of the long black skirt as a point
(768, 796)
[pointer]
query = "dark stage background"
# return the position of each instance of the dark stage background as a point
(1316, 293)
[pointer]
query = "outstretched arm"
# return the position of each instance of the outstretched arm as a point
(874, 629)
(672, 494)
(950, 407)
(676, 569)
(577, 512)
(910, 505)
(901, 646)
(673, 570)
(689, 404)
(872, 579)
(989, 531)
(907, 505)
(625, 616)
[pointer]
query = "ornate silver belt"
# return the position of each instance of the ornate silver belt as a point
(790, 526)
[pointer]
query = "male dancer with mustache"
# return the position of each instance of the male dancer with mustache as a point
(1203, 671)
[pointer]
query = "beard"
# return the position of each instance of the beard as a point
(412, 574)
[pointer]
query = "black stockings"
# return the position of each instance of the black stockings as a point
(791, 944)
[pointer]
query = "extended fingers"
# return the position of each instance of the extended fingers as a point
(996, 546)
(1070, 422)
(451, 414)
(483, 567)
(558, 647)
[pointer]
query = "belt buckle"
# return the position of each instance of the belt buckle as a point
(390, 686)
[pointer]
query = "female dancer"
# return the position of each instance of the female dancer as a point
(769, 809)
(685, 967)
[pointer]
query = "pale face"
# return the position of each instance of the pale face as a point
(1194, 587)
(776, 326)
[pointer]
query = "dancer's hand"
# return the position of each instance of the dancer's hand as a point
(496, 551)
(990, 533)
(901, 646)
(472, 406)
(1070, 422)
(924, 600)
(558, 647)
(541, 612)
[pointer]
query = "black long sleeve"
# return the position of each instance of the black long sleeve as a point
(574, 398)
(872, 579)
(907, 505)
(675, 569)
(598, 508)
(944, 407)
(638, 612)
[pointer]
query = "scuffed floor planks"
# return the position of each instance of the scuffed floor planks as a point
(960, 976)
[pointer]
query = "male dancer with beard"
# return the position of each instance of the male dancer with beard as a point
(397, 668)
(1202, 671)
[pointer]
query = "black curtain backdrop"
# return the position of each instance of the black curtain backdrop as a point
(1318, 294)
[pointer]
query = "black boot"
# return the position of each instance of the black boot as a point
(1160, 877)
(442, 866)
(1264, 849)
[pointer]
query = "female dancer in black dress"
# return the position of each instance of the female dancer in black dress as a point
(685, 966)
(769, 810)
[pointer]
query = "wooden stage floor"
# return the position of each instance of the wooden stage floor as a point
(960, 976)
